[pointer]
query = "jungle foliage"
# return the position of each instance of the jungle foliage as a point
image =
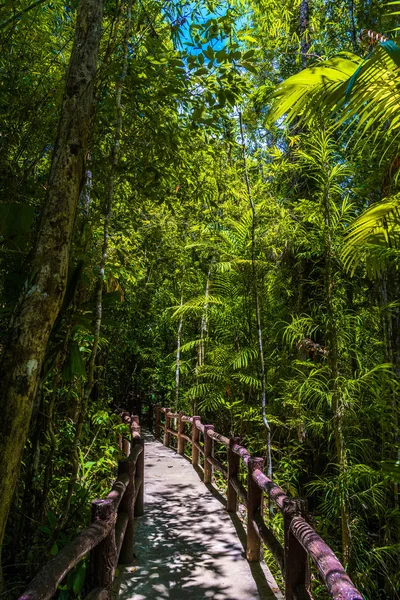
(234, 253)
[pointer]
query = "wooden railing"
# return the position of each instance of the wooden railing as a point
(109, 538)
(301, 542)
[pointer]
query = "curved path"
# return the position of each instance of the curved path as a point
(187, 545)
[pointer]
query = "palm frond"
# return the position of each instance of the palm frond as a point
(366, 89)
(375, 230)
(314, 89)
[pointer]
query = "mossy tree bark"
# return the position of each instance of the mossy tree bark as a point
(44, 291)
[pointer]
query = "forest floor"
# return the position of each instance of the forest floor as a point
(186, 544)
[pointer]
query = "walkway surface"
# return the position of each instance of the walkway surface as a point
(186, 544)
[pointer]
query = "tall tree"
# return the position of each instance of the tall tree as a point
(43, 293)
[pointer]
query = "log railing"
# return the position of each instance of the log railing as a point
(301, 542)
(109, 538)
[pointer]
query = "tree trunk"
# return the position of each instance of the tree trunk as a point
(304, 23)
(178, 358)
(44, 291)
(204, 321)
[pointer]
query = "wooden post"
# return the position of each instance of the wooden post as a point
(139, 504)
(126, 447)
(167, 426)
(233, 471)
(208, 451)
(297, 568)
(195, 440)
(157, 428)
(104, 556)
(254, 505)
(135, 424)
(127, 505)
(181, 429)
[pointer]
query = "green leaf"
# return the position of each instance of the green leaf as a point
(74, 365)
(249, 67)
(355, 76)
(247, 55)
(221, 55)
(393, 50)
(79, 579)
(54, 549)
(230, 96)
(52, 519)
(221, 97)
(209, 53)
(392, 469)
(45, 529)
(249, 38)
(313, 89)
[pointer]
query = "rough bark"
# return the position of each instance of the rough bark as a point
(44, 291)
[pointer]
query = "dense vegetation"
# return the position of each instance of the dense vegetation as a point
(214, 228)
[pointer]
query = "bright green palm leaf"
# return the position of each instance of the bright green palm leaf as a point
(363, 89)
(303, 92)
(371, 233)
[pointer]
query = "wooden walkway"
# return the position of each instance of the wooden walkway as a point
(186, 545)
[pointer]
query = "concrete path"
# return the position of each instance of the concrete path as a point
(186, 544)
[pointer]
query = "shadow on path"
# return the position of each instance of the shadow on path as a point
(186, 544)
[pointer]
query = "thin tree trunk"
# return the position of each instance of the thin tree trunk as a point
(304, 23)
(178, 358)
(257, 301)
(204, 321)
(44, 291)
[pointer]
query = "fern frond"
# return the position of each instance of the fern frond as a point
(193, 344)
(243, 358)
(195, 305)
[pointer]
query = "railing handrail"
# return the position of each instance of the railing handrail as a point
(109, 538)
(301, 540)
